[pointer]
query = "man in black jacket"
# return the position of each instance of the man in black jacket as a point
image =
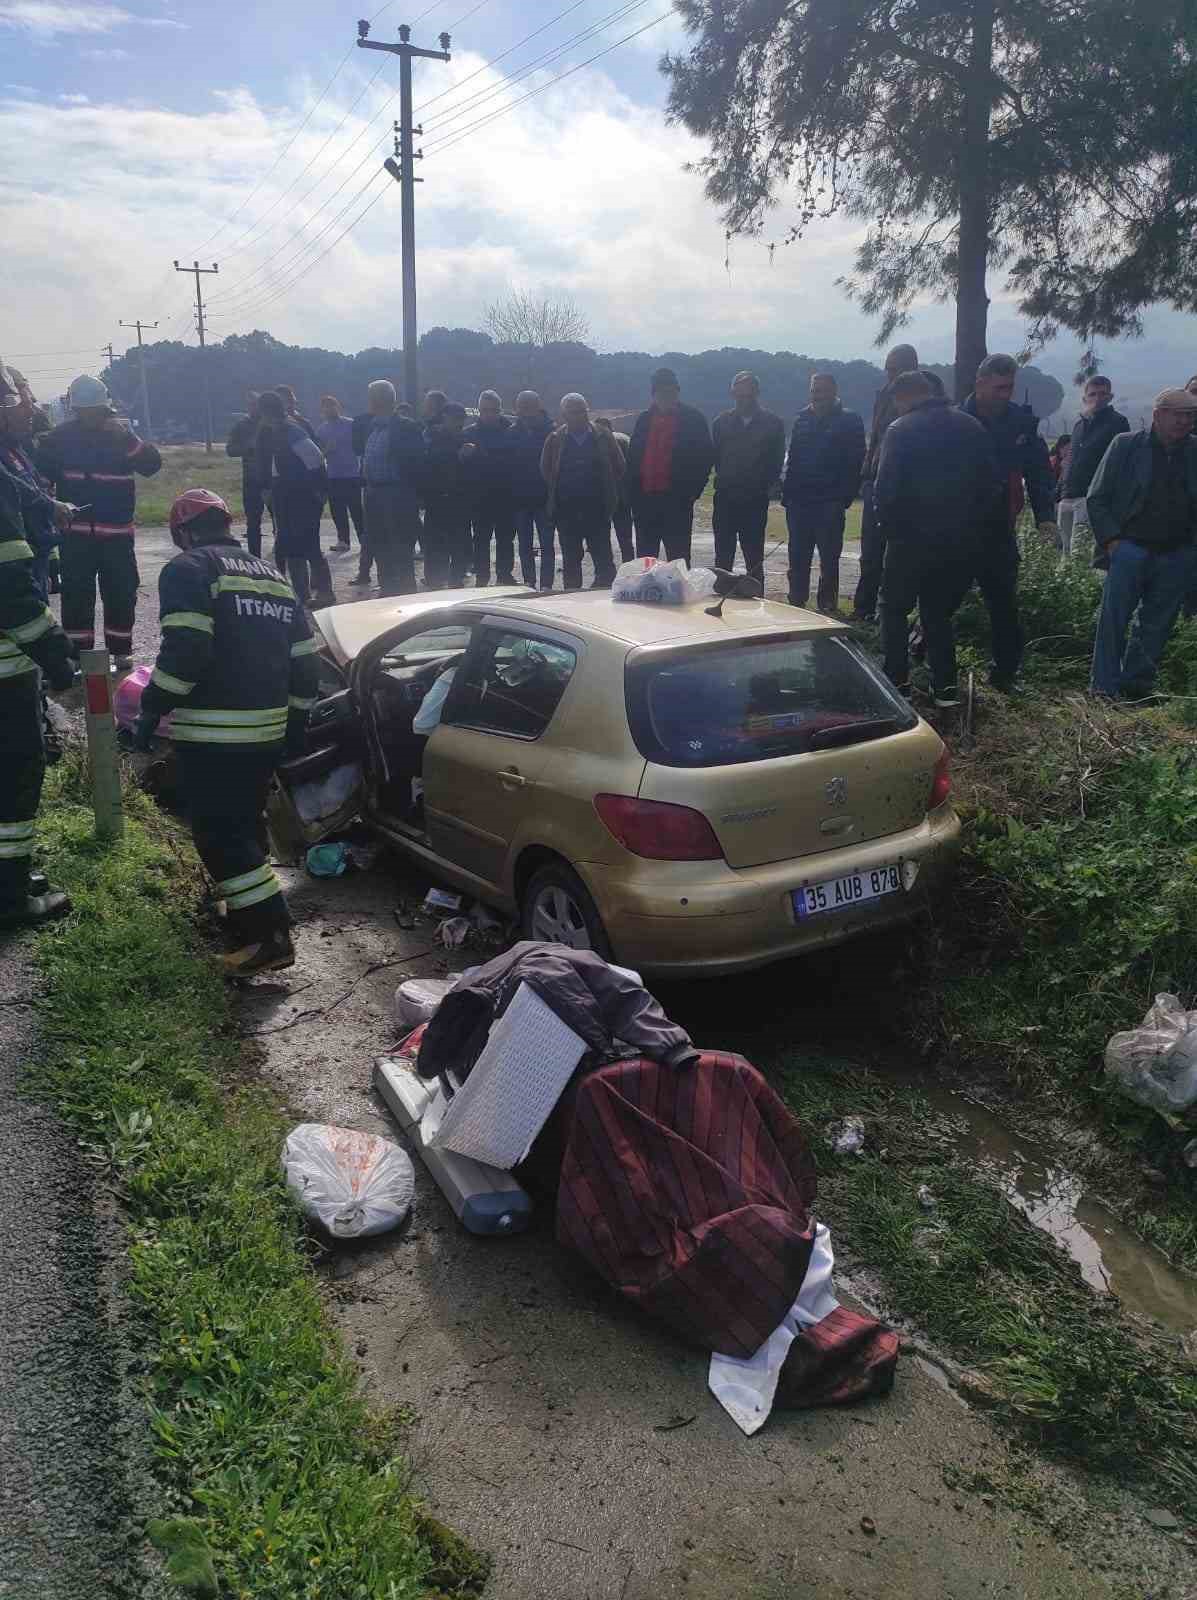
(935, 484)
(669, 462)
(529, 491)
(827, 447)
(242, 445)
(489, 456)
(1023, 470)
(902, 358)
(1091, 435)
(750, 444)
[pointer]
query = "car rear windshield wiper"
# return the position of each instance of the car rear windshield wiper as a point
(854, 732)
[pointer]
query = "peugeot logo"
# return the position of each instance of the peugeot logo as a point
(836, 790)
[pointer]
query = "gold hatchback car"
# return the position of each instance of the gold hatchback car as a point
(686, 792)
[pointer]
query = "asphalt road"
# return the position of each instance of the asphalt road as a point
(64, 1480)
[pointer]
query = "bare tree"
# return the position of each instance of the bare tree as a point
(537, 318)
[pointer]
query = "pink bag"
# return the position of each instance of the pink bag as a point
(126, 701)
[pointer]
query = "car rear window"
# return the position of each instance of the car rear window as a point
(722, 705)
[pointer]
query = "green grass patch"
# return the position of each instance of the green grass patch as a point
(188, 466)
(1049, 1356)
(274, 1475)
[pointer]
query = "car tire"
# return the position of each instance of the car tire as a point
(556, 908)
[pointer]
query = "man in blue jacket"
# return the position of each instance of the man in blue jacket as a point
(935, 483)
(488, 452)
(1143, 510)
(827, 447)
(529, 491)
(1024, 470)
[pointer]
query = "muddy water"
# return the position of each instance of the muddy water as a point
(1111, 1257)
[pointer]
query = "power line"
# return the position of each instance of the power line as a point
(455, 138)
(389, 101)
(39, 355)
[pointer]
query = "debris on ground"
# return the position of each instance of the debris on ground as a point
(1189, 1154)
(354, 1183)
(452, 932)
(1161, 1518)
(328, 860)
(848, 1137)
(417, 999)
(442, 900)
(926, 1199)
(1156, 1064)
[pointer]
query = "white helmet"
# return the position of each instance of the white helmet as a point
(85, 393)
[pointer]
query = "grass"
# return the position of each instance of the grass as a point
(187, 466)
(776, 530)
(1046, 1355)
(276, 1483)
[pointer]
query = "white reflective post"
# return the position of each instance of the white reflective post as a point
(101, 744)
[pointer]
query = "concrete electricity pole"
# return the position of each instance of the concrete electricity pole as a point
(404, 170)
(147, 426)
(199, 322)
(106, 350)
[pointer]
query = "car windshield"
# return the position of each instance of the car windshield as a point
(757, 700)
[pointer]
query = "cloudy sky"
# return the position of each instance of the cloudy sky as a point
(143, 131)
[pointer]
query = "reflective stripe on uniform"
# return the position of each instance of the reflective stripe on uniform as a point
(233, 719)
(297, 702)
(184, 733)
(168, 681)
(274, 586)
(29, 631)
(244, 880)
(252, 897)
(189, 619)
(14, 666)
(15, 550)
(304, 647)
(16, 840)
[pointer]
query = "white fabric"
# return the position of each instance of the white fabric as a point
(745, 1389)
(428, 717)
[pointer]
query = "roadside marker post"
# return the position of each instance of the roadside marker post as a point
(101, 744)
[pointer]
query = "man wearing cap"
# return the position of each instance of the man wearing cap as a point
(669, 462)
(750, 444)
(29, 639)
(1143, 510)
(92, 460)
(238, 674)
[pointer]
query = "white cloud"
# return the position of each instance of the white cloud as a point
(46, 19)
(106, 54)
(74, 99)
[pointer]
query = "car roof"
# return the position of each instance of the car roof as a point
(349, 628)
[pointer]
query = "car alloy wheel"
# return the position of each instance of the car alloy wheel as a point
(557, 909)
(557, 919)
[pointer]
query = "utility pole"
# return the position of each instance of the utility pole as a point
(146, 425)
(199, 322)
(106, 350)
(402, 168)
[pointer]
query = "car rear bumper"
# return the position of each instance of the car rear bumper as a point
(703, 917)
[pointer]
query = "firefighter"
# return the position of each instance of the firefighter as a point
(237, 672)
(93, 459)
(29, 639)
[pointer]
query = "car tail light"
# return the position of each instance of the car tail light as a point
(941, 783)
(658, 831)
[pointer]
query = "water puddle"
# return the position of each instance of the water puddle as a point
(1111, 1257)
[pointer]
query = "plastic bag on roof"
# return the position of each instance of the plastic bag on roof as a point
(1156, 1064)
(354, 1183)
(649, 582)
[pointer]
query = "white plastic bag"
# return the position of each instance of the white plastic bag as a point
(1156, 1064)
(649, 582)
(354, 1183)
(417, 999)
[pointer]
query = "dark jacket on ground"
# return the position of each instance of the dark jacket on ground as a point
(490, 472)
(748, 456)
(612, 1013)
(237, 658)
(693, 454)
(243, 445)
(884, 412)
(528, 434)
(95, 468)
(1091, 438)
(1121, 487)
(1022, 459)
(29, 636)
(825, 457)
(607, 454)
(936, 479)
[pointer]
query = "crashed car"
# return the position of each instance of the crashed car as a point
(685, 789)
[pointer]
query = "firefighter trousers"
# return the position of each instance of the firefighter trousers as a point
(224, 792)
(110, 564)
(22, 768)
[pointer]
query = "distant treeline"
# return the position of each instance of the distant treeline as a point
(462, 362)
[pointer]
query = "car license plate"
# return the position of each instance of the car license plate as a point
(836, 894)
